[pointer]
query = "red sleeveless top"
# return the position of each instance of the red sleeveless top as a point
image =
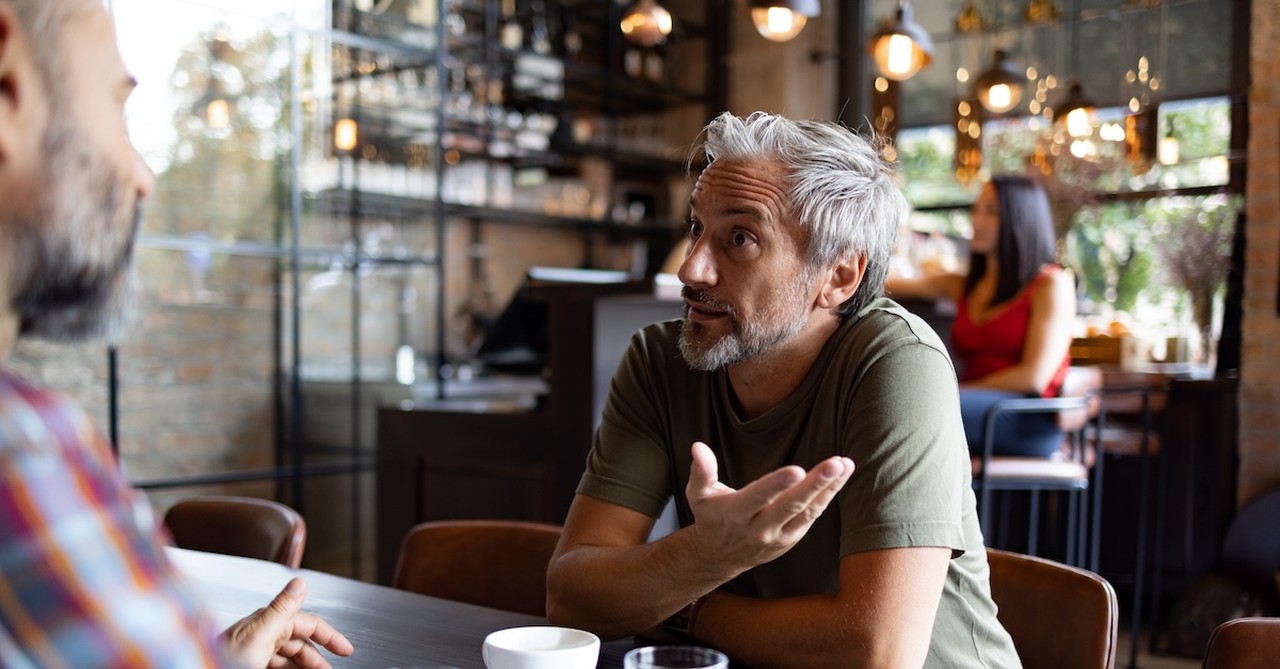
(984, 348)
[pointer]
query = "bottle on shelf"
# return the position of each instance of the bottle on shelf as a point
(510, 33)
(655, 66)
(454, 22)
(571, 37)
(539, 31)
(633, 61)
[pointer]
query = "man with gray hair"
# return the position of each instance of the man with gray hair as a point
(82, 584)
(788, 369)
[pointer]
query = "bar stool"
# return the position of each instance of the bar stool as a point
(1075, 470)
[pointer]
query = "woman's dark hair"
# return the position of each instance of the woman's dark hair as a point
(1025, 242)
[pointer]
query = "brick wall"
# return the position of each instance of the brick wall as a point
(1260, 358)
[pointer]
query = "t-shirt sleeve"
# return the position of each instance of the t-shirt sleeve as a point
(629, 462)
(82, 581)
(906, 439)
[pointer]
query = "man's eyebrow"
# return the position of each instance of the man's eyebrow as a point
(751, 212)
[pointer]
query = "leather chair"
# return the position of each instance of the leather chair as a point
(1075, 470)
(1244, 643)
(1060, 617)
(244, 526)
(501, 564)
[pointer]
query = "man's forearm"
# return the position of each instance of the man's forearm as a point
(617, 591)
(790, 633)
(882, 616)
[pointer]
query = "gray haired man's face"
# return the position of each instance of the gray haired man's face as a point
(74, 238)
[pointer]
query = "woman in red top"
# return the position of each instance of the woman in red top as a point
(1014, 312)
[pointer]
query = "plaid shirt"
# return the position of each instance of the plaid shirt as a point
(82, 582)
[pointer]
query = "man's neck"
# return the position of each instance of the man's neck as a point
(764, 382)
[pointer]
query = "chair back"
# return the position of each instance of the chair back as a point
(501, 564)
(244, 526)
(1058, 616)
(1244, 643)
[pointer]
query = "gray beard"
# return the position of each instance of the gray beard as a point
(75, 254)
(745, 340)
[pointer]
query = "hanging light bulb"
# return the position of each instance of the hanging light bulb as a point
(345, 133)
(647, 23)
(218, 113)
(1000, 87)
(901, 47)
(214, 107)
(1076, 112)
(781, 20)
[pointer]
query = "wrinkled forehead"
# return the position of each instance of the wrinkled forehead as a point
(761, 182)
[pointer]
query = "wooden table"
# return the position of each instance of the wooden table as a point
(389, 628)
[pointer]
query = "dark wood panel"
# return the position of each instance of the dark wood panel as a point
(1197, 451)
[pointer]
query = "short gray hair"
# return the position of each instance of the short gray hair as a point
(42, 22)
(841, 190)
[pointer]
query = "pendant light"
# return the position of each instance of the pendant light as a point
(1140, 138)
(1075, 114)
(647, 23)
(781, 20)
(1042, 12)
(999, 89)
(215, 107)
(970, 20)
(901, 47)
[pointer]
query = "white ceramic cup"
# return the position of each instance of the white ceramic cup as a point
(543, 647)
(674, 657)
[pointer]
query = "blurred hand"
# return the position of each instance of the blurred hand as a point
(281, 636)
(765, 518)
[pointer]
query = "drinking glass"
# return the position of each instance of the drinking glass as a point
(674, 657)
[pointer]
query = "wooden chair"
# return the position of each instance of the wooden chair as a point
(1075, 470)
(1059, 616)
(500, 564)
(1244, 643)
(244, 526)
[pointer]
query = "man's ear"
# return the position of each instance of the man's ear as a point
(842, 281)
(15, 72)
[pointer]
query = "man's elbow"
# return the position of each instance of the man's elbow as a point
(558, 610)
(562, 609)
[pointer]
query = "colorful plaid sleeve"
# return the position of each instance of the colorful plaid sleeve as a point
(81, 583)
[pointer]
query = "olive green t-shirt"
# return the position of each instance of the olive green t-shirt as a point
(882, 392)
